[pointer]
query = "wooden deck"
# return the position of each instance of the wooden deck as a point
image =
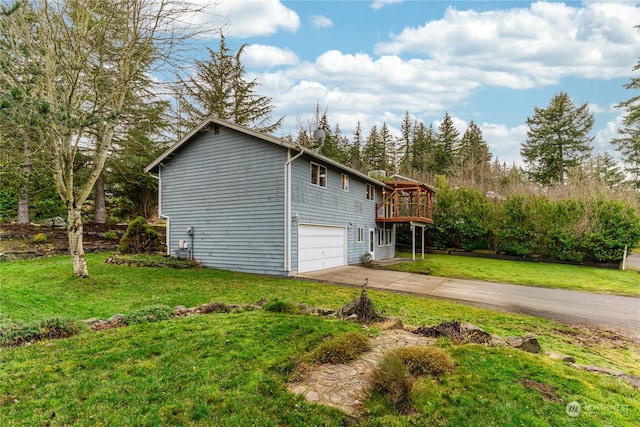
(409, 201)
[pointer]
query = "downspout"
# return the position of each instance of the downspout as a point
(160, 208)
(287, 208)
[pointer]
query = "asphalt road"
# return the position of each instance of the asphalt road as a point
(557, 304)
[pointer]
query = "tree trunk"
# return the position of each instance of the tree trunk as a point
(23, 201)
(99, 209)
(23, 205)
(76, 249)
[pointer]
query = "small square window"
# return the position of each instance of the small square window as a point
(318, 175)
(345, 182)
(371, 192)
(360, 234)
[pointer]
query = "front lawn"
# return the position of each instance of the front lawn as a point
(577, 278)
(232, 369)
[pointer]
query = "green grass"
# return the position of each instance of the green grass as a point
(561, 276)
(231, 369)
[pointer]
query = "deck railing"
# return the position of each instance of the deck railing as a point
(406, 204)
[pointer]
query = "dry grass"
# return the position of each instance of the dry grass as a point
(341, 349)
(421, 361)
(396, 374)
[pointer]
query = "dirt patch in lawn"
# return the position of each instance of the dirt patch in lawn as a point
(548, 393)
(590, 336)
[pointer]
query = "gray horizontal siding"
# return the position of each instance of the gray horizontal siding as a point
(230, 188)
(332, 206)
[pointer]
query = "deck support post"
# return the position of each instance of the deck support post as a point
(413, 242)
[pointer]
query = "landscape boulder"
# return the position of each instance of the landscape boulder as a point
(528, 343)
(474, 333)
(562, 357)
(460, 332)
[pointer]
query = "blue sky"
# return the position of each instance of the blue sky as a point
(487, 61)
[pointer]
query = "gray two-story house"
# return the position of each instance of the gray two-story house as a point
(241, 200)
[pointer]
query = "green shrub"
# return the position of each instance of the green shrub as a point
(55, 327)
(153, 313)
(140, 237)
(516, 228)
(111, 235)
(282, 307)
(614, 227)
(341, 349)
(367, 260)
(461, 216)
(565, 246)
(40, 238)
(18, 333)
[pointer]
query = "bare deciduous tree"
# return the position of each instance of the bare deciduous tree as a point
(91, 54)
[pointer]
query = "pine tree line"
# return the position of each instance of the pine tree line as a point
(419, 151)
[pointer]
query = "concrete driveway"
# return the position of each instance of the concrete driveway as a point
(633, 262)
(556, 304)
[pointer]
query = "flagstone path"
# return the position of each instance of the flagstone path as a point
(344, 386)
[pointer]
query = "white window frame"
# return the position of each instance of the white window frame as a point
(344, 182)
(380, 237)
(371, 192)
(360, 234)
(387, 237)
(316, 172)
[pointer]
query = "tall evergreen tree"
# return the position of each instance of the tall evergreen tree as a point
(21, 114)
(474, 156)
(333, 145)
(388, 142)
(602, 167)
(557, 139)
(404, 147)
(629, 142)
(422, 148)
(219, 89)
(374, 151)
(355, 150)
(445, 149)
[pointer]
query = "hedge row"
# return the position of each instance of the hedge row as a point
(593, 229)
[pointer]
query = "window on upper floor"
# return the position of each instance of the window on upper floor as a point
(344, 179)
(318, 175)
(371, 192)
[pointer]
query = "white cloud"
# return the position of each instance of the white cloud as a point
(319, 21)
(463, 51)
(257, 55)
(504, 142)
(596, 109)
(372, 90)
(603, 137)
(245, 18)
(523, 48)
(379, 4)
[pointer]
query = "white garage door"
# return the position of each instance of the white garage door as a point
(320, 247)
